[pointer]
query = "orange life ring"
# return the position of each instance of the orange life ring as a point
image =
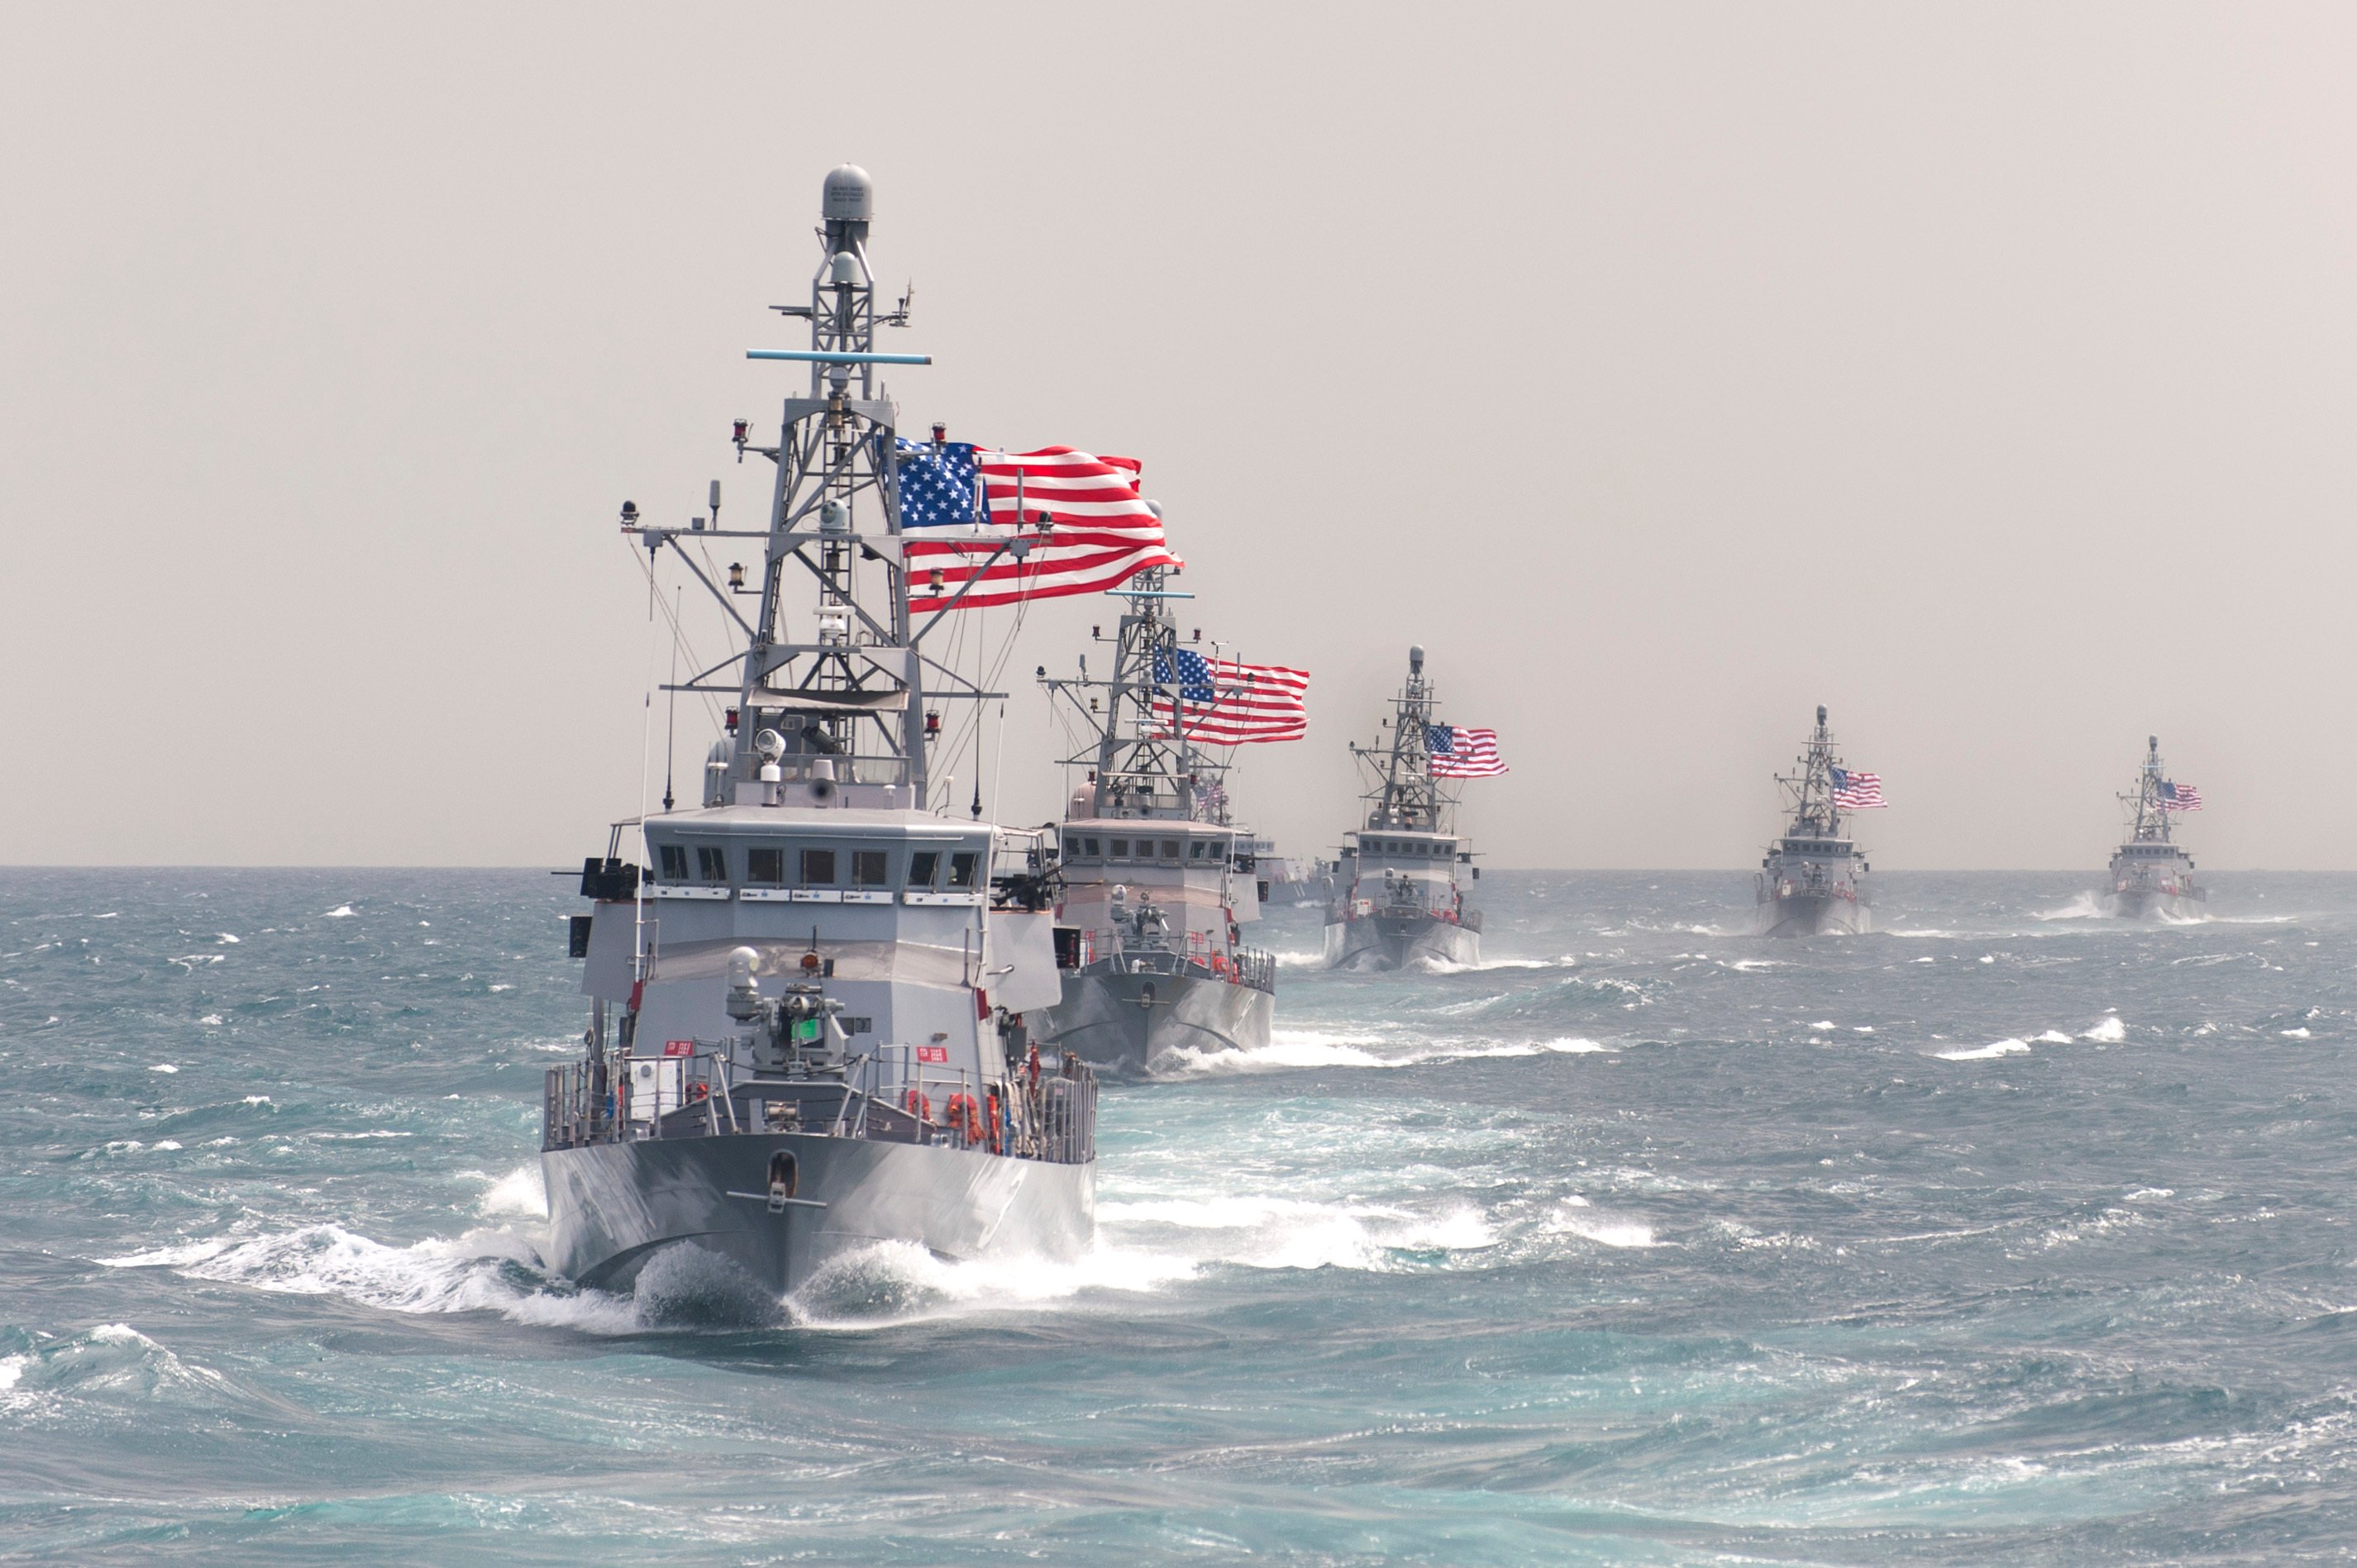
(918, 1105)
(990, 1111)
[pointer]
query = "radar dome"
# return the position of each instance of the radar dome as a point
(1416, 658)
(850, 195)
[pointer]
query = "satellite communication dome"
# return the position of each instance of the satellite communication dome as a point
(1416, 658)
(850, 195)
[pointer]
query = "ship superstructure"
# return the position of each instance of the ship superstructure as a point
(1157, 881)
(806, 991)
(2151, 873)
(1398, 898)
(1813, 881)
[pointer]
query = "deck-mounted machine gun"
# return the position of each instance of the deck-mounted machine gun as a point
(794, 1034)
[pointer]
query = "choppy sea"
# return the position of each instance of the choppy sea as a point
(2012, 1234)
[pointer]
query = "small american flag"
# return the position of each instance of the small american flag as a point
(1452, 752)
(958, 503)
(1223, 702)
(1856, 792)
(2175, 797)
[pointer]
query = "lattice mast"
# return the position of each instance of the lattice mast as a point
(1139, 763)
(1810, 791)
(1405, 794)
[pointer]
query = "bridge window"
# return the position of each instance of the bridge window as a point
(765, 866)
(1169, 849)
(818, 867)
(1195, 849)
(1121, 848)
(962, 866)
(924, 866)
(675, 862)
(1090, 848)
(871, 867)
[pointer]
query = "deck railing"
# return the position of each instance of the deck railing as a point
(886, 1097)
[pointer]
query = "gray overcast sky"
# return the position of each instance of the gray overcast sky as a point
(1984, 373)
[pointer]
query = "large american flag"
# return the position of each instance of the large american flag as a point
(958, 503)
(1453, 752)
(1222, 702)
(1855, 791)
(2175, 797)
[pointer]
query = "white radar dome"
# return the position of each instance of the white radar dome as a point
(850, 194)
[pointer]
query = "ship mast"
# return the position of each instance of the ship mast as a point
(1811, 790)
(853, 694)
(1140, 765)
(2147, 823)
(1407, 795)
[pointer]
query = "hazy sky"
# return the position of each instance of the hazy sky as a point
(1986, 374)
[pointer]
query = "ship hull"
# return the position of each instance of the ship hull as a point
(613, 1208)
(1399, 941)
(1111, 1020)
(1295, 891)
(1815, 915)
(2151, 903)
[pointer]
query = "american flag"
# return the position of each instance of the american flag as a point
(1452, 752)
(2175, 797)
(963, 499)
(1222, 702)
(1855, 791)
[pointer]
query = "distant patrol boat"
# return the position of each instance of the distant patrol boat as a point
(2150, 874)
(1813, 881)
(805, 1027)
(1158, 882)
(1398, 896)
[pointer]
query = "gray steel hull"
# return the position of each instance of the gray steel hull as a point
(1815, 915)
(1399, 941)
(613, 1207)
(2147, 903)
(1105, 1019)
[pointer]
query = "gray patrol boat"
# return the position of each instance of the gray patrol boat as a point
(1397, 898)
(804, 1021)
(2151, 875)
(1157, 882)
(1813, 881)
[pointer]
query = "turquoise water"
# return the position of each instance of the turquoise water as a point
(2015, 1234)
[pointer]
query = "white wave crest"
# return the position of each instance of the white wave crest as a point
(1604, 1228)
(896, 1282)
(1262, 1231)
(520, 1194)
(1293, 1050)
(1984, 1052)
(2082, 906)
(2107, 1031)
(483, 1271)
(340, 912)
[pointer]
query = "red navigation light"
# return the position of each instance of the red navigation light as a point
(742, 426)
(932, 724)
(731, 721)
(940, 432)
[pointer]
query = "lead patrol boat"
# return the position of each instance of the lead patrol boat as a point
(805, 1009)
(1397, 900)
(2151, 875)
(1812, 880)
(1158, 882)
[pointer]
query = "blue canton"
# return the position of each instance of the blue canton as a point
(1440, 740)
(937, 484)
(1194, 675)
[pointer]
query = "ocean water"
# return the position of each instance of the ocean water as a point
(2014, 1234)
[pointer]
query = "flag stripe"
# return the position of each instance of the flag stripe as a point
(1105, 534)
(1452, 751)
(1225, 701)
